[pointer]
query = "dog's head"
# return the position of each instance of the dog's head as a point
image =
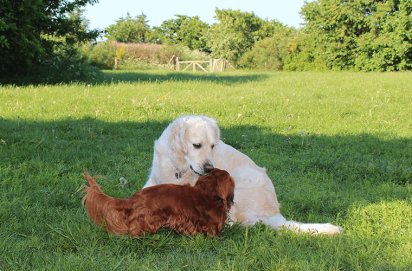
(219, 184)
(194, 138)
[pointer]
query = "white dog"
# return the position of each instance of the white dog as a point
(190, 146)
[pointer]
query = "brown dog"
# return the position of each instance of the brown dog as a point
(185, 209)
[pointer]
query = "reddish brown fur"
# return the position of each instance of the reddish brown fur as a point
(185, 209)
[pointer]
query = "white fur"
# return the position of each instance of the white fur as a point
(176, 160)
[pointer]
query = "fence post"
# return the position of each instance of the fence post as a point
(116, 63)
(177, 64)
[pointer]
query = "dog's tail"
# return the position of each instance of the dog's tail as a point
(106, 211)
(279, 222)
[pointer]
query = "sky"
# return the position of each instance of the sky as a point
(106, 12)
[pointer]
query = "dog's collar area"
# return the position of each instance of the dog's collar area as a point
(179, 173)
(194, 171)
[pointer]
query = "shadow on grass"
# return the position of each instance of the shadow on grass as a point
(315, 176)
(157, 76)
(114, 77)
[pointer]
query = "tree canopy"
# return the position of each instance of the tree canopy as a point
(236, 32)
(184, 30)
(360, 34)
(31, 30)
(129, 29)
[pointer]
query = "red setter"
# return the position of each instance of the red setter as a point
(185, 209)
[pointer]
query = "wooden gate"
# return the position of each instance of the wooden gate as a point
(212, 65)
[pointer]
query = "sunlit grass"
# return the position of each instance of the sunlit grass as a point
(338, 147)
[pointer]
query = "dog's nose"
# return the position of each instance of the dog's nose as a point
(207, 167)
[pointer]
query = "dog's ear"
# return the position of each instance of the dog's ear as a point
(225, 187)
(213, 123)
(176, 136)
(207, 184)
(218, 172)
(219, 184)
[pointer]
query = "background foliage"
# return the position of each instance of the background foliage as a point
(40, 38)
(137, 55)
(337, 35)
(235, 33)
(129, 30)
(184, 30)
(35, 34)
(360, 35)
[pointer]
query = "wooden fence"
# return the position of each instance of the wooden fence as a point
(212, 65)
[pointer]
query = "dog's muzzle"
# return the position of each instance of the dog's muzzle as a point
(207, 168)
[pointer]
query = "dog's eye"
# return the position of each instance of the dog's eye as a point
(212, 146)
(231, 198)
(197, 146)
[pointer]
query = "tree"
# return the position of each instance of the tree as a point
(359, 34)
(236, 32)
(387, 46)
(272, 52)
(30, 32)
(184, 30)
(129, 30)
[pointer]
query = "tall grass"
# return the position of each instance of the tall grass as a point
(137, 55)
(338, 147)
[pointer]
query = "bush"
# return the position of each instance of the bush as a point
(137, 55)
(359, 35)
(158, 54)
(100, 55)
(34, 32)
(270, 53)
(144, 53)
(65, 64)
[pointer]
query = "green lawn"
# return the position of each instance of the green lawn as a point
(338, 147)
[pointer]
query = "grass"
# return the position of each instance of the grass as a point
(338, 147)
